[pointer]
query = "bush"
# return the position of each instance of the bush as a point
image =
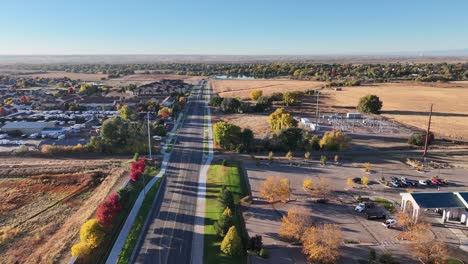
(307, 155)
(136, 169)
(292, 138)
(263, 253)
(232, 244)
(323, 159)
(263, 103)
(255, 243)
(334, 140)
(420, 139)
(386, 258)
(230, 105)
(277, 97)
(308, 184)
(292, 98)
(92, 233)
(224, 162)
(224, 222)
(289, 155)
(216, 101)
(255, 94)
(108, 210)
(313, 144)
(80, 249)
(225, 198)
(370, 104)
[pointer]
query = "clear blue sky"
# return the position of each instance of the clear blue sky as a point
(231, 27)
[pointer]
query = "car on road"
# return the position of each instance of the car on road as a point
(425, 182)
(389, 223)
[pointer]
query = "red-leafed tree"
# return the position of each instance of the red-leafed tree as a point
(108, 210)
(136, 169)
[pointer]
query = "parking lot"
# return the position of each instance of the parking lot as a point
(360, 234)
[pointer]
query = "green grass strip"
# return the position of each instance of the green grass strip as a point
(219, 175)
(137, 226)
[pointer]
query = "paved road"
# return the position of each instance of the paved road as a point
(169, 236)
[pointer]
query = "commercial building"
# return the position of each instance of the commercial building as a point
(27, 127)
(452, 206)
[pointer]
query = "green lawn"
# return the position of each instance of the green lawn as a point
(451, 260)
(135, 231)
(218, 176)
(386, 203)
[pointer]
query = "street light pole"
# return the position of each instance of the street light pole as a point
(317, 113)
(149, 136)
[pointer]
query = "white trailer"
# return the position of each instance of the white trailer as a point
(314, 127)
(353, 116)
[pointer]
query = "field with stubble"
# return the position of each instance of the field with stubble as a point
(45, 201)
(242, 88)
(409, 103)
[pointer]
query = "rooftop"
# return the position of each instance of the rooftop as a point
(18, 125)
(440, 199)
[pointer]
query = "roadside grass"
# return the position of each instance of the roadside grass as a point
(385, 203)
(137, 226)
(171, 144)
(231, 177)
(451, 260)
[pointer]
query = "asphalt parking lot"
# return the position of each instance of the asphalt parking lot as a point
(360, 234)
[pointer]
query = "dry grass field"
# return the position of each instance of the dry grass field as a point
(409, 103)
(73, 76)
(140, 79)
(242, 88)
(45, 201)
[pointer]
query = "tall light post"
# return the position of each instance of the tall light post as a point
(317, 113)
(149, 135)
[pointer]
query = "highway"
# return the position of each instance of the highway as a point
(170, 232)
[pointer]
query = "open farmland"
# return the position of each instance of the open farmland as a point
(45, 201)
(409, 103)
(242, 88)
(141, 79)
(71, 75)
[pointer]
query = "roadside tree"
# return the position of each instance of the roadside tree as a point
(232, 244)
(275, 188)
(227, 135)
(321, 243)
(294, 224)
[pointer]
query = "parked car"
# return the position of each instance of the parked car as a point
(394, 184)
(408, 182)
(361, 207)
(436, 181)
(389, 223)
(158, 138)
(425, 182)
(357, 180)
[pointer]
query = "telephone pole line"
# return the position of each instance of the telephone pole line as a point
(427, 133)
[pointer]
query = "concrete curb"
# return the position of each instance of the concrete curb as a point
(199, 225)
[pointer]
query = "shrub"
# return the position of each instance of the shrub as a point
(307, 155)
(350, 182)
(370, 104)
(108, 210)
(224, 162)
(232, 244)
(263, 103)
(92, 233)
(336, 158)
(255, 243)
(255, 94)
(308, 184)
(323, 159)
(225, 197)
(216, 101)
(365, 180)
(136, 156)
(263, 253)
(136, 169)
(7, 233)
(334, 140)
(230, 105)
(289, 155)
(224, 222)
(271, 155)
(314, 143)
(80, 249)
(276, 97)
(292, 98)
(386, 258)
(420, 139)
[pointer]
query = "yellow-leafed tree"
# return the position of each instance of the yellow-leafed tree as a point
(365, 180)
(92, 233)
(80, 249)
(294, 224)
(321, 243)
(255, 94)
(232, 244)
(308, 184)
(275, 189)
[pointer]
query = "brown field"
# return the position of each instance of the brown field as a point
(45, 201)
(73, 76)
(140, 79)
(409, 103)
(242, 88)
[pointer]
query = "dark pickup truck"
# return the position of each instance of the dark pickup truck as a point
(375, 212)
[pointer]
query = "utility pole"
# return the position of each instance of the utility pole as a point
(149, 136)
(317, 113)
(427, 133)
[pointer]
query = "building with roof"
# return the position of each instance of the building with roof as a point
(27, 127)
(451, 205)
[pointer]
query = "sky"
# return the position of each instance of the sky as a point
(240, 27)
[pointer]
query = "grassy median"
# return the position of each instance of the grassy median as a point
(137, 226)
(230, 176)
